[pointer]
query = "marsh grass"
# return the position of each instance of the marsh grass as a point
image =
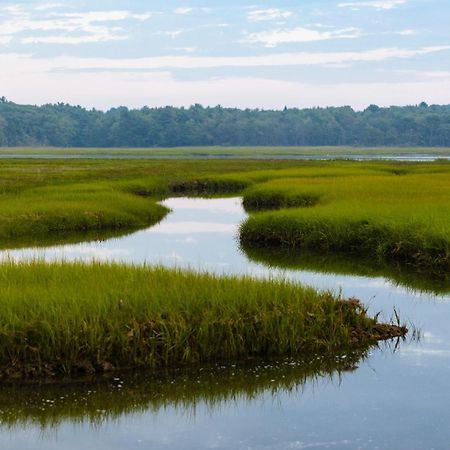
(83, 207)
(44, 198)
(383, 216)
(71, 318)
(385, 211)
(257, 199)
(211, 185)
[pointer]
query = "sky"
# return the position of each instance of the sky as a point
(267, 54)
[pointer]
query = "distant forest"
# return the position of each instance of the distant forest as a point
(62, 125)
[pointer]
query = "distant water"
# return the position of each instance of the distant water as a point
(287, 156)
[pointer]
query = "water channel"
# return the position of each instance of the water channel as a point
(397, 397)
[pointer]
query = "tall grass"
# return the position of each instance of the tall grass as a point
(258, 198)
(65, 319)
(383, 216)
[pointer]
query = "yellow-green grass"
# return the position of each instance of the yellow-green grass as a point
(71, 318)
(391, 211)
(44, 198)
(75, 207)
(398, 215)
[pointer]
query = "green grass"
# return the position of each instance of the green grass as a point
(39, 199)
(66, 319)
(83, 207)
(380, 210)
(385, 213)
(71, 318)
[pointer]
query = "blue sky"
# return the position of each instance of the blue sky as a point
(266, 54)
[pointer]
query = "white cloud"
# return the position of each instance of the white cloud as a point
(258, 15)
(436, 74)
(188, 10)
(5, 40)
(107, 82)
(137, 82)
(47, 6)
(100, 16)
(73, 40)
(173, 34)
(12, 9)
(183, 10)
(75, 28)
(215, 25)
(273, 38)
(142, 17)
(423, 74)
(26, 63)
(186, 49)
(406, 32)
(377, 4)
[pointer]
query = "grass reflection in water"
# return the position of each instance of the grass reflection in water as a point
(97, 401)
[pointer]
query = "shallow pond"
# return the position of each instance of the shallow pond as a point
(398, 397)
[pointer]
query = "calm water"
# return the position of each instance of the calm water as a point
(414, 157)
(394, 400)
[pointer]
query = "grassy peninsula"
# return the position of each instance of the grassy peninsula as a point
(400, 215)
(71, 319)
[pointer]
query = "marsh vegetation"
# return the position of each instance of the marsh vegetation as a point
(384, 211)
(212, 346)
(400, 215)
(68, 318)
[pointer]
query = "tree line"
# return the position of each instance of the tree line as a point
(63, 125)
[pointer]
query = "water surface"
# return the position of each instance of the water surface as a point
(413, 157)
(394, 400)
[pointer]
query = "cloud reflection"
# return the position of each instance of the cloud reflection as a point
(192, 227)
